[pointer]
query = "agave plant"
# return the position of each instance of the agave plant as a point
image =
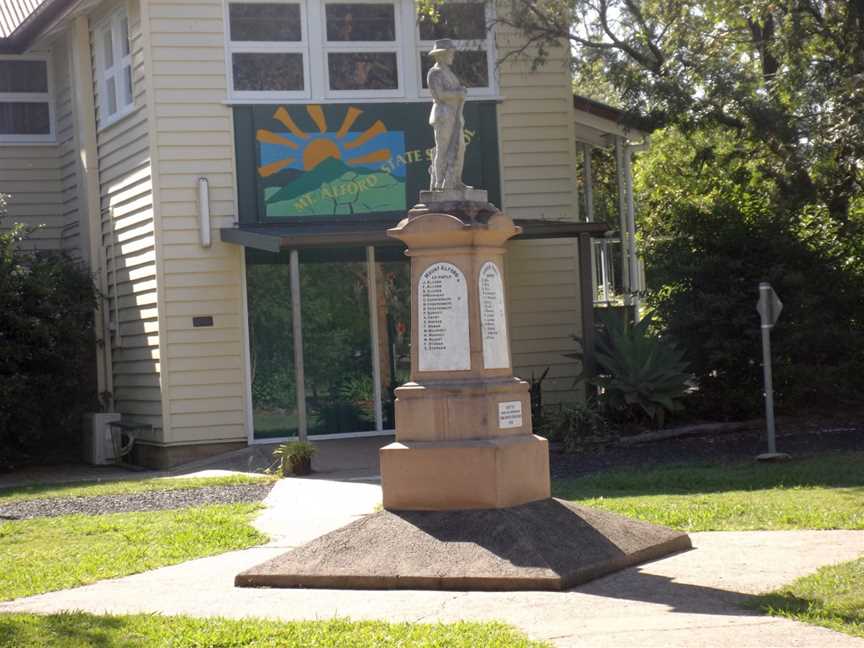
(637, 369)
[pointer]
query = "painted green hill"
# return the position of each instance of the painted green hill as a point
(327, 171)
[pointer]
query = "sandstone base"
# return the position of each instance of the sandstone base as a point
(544, 545)
(476, 474)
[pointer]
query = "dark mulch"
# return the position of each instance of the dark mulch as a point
(133, 502)
(798, 438)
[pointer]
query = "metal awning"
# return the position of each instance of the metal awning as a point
(273, 237)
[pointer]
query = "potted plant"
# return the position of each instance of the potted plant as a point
(293, 458)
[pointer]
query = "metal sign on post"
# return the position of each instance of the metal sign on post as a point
(769, 307)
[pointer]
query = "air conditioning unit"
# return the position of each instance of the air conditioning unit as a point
(96, 441)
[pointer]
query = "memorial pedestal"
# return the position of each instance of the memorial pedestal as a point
(463, 423)
(466, 484)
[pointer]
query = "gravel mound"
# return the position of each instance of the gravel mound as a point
(131, 502)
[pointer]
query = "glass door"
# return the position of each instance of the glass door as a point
(394, 331)
(337, 348)
(355, 338)
(271, 353)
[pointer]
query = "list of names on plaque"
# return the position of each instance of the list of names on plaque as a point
(493, 318)
(442, 308)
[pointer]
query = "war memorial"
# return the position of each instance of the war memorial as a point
(466, 486)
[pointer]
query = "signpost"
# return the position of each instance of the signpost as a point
(769, 307)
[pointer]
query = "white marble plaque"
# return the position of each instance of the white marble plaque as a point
(510, 414)
(493, 318)
(442, 307)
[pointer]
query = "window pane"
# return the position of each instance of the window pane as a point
(271, 342)
(363, 71)
(360, 22)
(124, 35)
(111, 99)
(458, 20)
(265, 22)
(24, 118)
(337, 347)
(127, 85)
(108, 47)
(471, 66)
(274, 72)
(23, 76)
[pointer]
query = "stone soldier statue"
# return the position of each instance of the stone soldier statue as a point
(448, 95)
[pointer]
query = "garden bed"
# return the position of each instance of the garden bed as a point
(800, 436)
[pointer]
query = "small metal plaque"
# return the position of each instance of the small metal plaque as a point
(510, 414)
(202, 320)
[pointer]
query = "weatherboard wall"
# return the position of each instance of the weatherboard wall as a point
(128, 239)
(538, 180)
(203, 376)
(32, 176)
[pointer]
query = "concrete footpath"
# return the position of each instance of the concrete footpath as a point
(691, 599)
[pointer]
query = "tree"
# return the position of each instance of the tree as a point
(711, 231)
(786, 77)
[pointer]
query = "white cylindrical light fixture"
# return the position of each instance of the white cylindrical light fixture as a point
(204, 212)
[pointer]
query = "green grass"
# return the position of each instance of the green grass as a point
(47, 554)
(79, 630)
(825, 492)
(93, 489)
(833, 597)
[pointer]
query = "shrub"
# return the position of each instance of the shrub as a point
(579, 427)
(640, 374)
(47, 301)
(292, 458)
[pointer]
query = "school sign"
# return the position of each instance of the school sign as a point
(348, 161)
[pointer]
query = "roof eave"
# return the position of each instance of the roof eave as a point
(605, 111)
(20, 40)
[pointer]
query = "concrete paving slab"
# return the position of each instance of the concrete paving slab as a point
(691, 599)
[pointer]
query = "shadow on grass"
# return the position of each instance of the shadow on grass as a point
(810, 610)
(841, 470)
(95, 631)
(65, 628)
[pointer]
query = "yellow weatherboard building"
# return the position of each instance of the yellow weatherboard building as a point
(228, 170)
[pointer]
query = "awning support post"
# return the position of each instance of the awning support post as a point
(297, 330)
(372, 291)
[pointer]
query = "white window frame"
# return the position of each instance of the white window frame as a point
(268, 47)
(395, 46)
(32, 97)
(424, 46)
(114, 25)
(315, 48)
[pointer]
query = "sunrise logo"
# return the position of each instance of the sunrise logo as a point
(330, 172)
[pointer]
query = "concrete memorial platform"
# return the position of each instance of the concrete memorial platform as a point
(544, 545)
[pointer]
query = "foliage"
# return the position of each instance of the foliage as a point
(288, 457)
(538, 418)
(579, 427)
(106, 546)
(785, 79)
(756, 176)
(815, 493)
(47, 302)
(125, 487)
(713, 229)
(82, 630)
(639, 372)
(833, 598)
